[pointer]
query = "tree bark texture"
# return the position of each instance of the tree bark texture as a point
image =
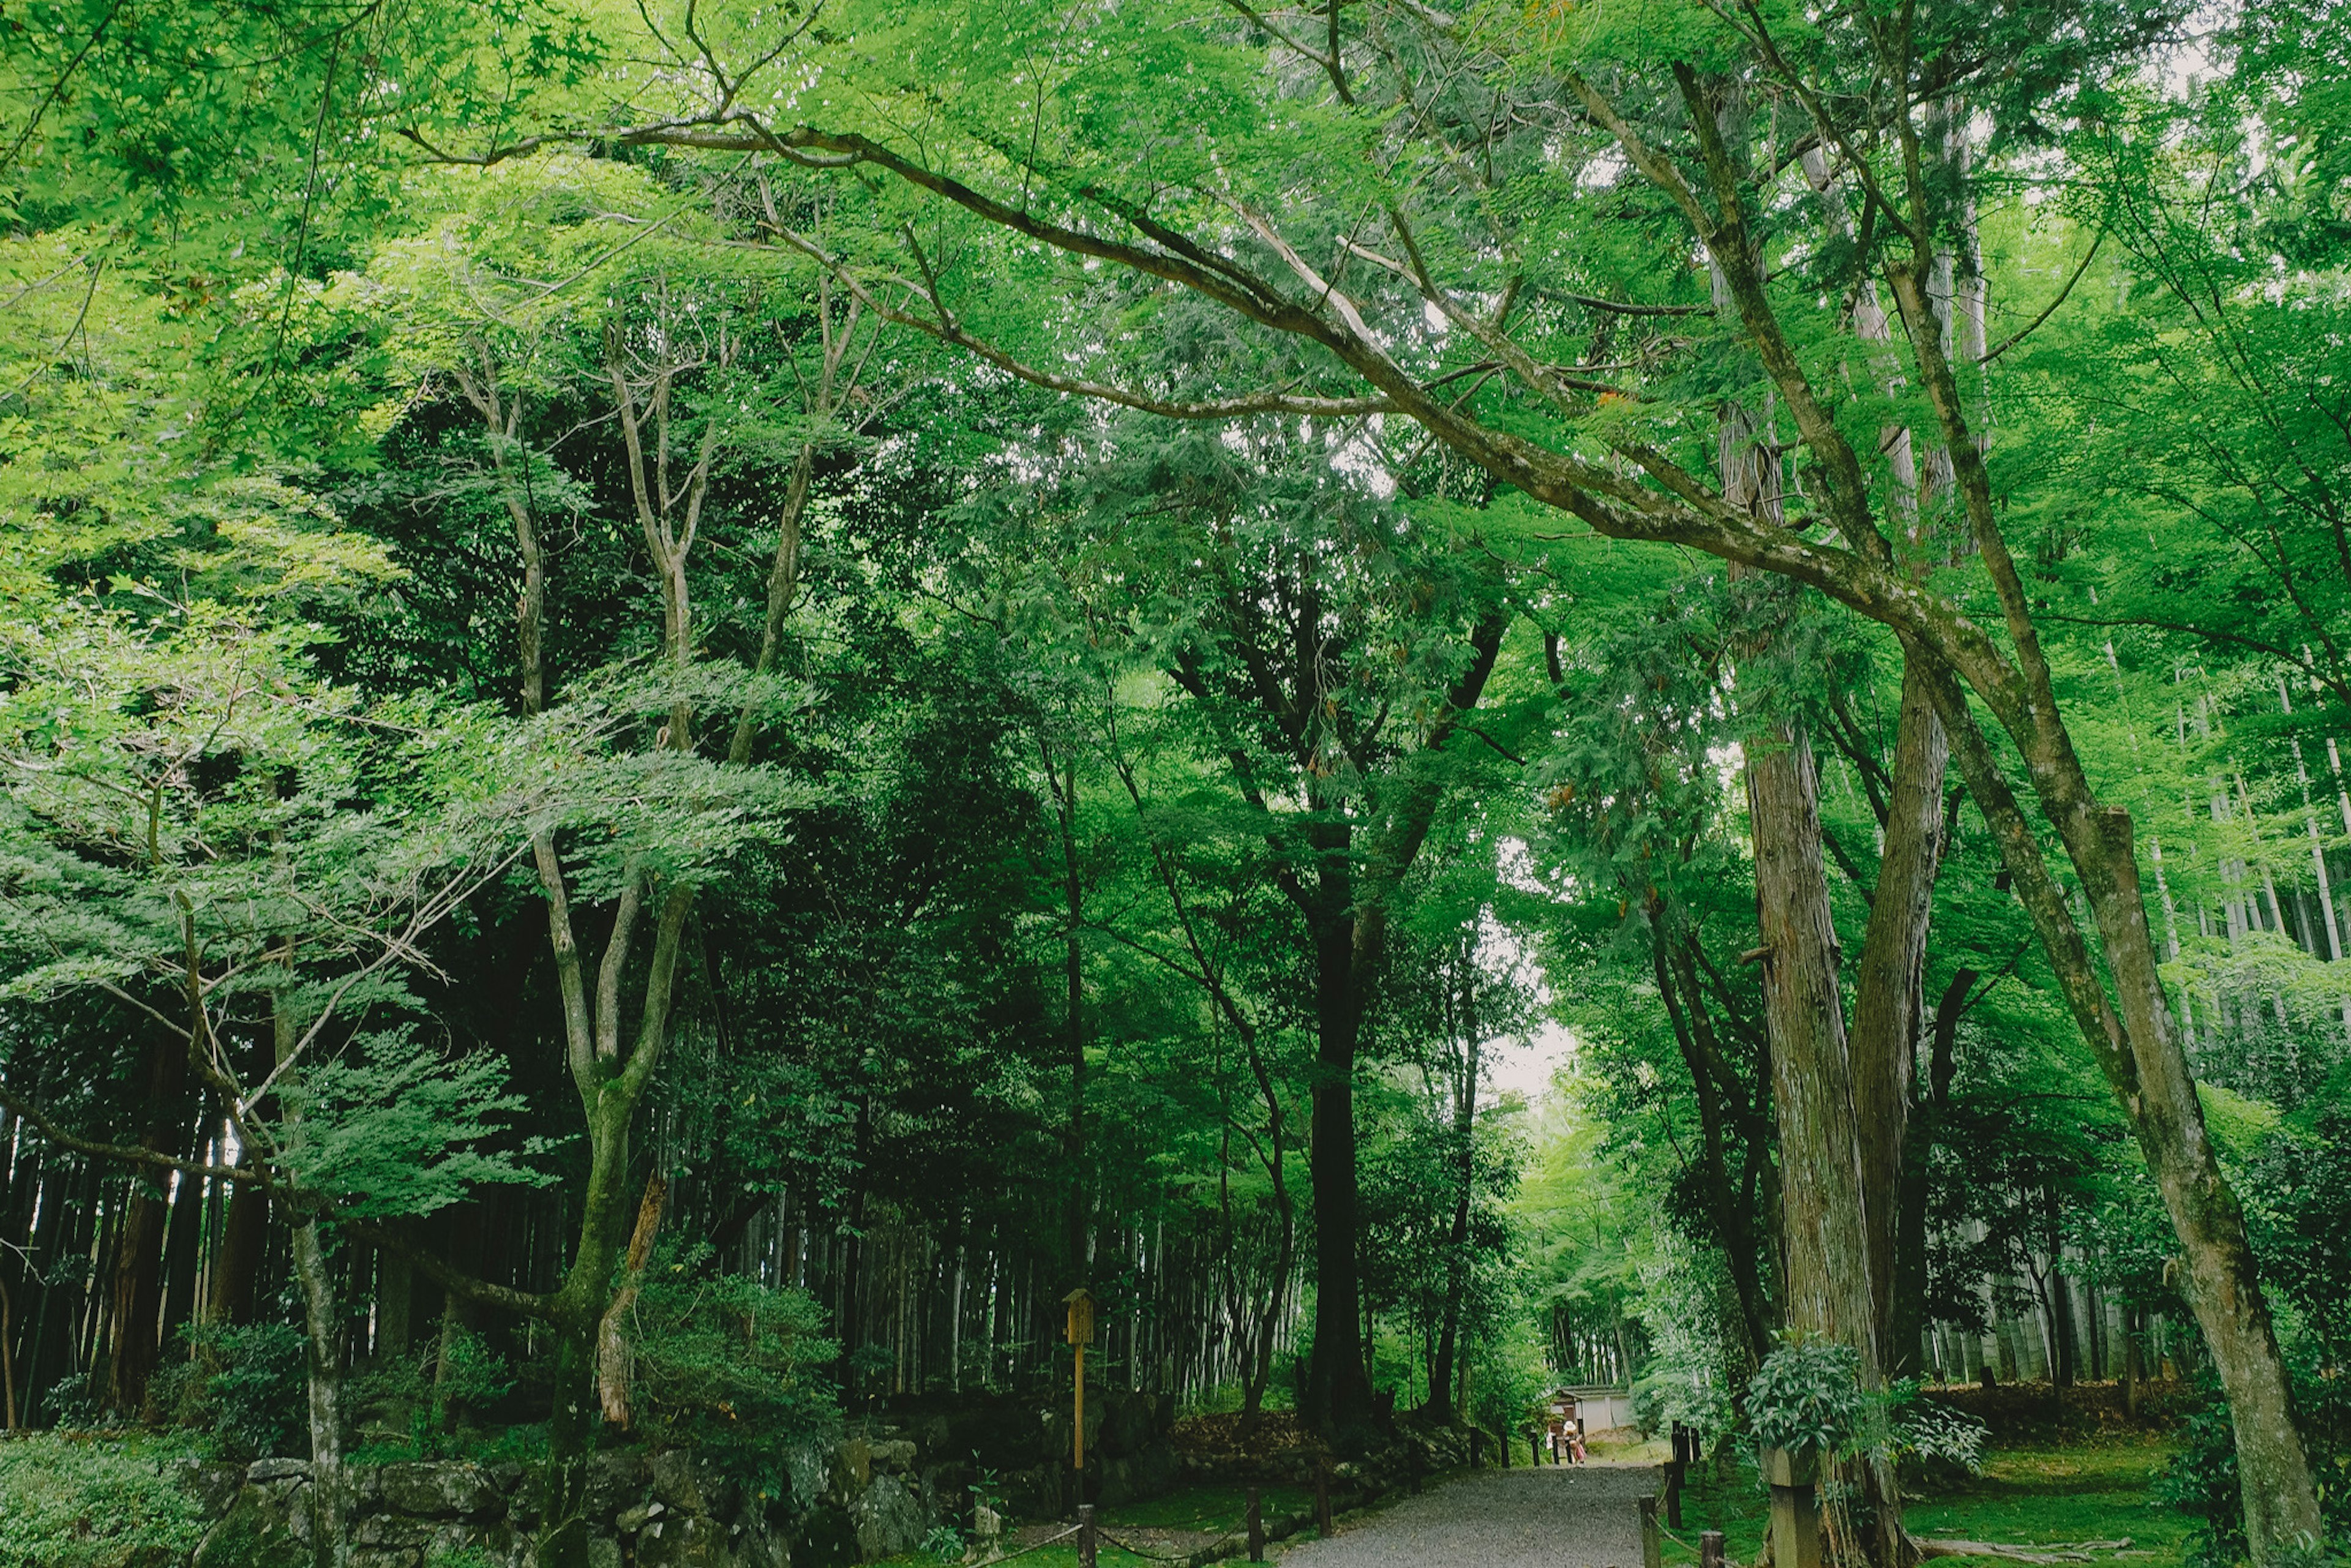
(1889, 1002)
(1827, 1289)
(1339, 1389)
(612, 1332)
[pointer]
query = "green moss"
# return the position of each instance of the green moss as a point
(251, 1535)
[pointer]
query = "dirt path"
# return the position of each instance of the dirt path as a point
(1585, 1516)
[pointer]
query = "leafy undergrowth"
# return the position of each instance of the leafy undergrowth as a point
(95, 1501)
(2022, 1412)
(1225, 1438)
(2028, 1495)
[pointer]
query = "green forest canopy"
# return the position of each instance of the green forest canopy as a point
(924, 654)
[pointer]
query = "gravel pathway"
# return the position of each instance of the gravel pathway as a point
(1582, 1516)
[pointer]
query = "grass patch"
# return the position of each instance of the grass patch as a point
(2076, 1492)
(1212, 1511)
(2027, 1495)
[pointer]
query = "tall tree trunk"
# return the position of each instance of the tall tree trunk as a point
(137, 1296)
(1338, 1390)
(182, 1247)
(1073, 1137)
(2144, 1061)
(1888, 1006)
(1457, 1241)
(1828, 1291)
(322, 1321)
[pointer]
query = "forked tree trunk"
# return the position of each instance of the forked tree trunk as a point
(1827, 1290)
(2132, 1035)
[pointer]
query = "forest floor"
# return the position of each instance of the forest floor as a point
(2032, 1494)
(2037, 1494)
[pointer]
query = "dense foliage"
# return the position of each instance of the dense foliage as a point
(696, 703)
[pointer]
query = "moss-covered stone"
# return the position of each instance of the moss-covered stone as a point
(254, 1533)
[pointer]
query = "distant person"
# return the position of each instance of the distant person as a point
(1575, 1444)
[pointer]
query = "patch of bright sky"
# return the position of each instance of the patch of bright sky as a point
(1525, 1065)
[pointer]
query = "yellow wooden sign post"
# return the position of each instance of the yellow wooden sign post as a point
(1080, 1303)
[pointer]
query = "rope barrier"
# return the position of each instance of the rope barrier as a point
(1102, 1534)
(1035, 1546)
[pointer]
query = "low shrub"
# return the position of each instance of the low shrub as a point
(73, 1501)
(729, 1366)
(248, 1387)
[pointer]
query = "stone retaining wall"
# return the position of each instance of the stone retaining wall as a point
(872, 1493)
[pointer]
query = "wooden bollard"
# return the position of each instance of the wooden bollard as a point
(1653, 1540)
(1709, 1550)
(1085, 1535)
(1795, 1513)
(1256, 1528)
(1414, 1459)
(1534, 1450)
(1322, 1500)
(1474, 1436)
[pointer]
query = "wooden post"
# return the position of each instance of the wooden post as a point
(1796, 1517)
(1474, 1456)
(1684, 1442)
(1323, 1497)
(1709, 1550)
(1256, 1528)
(1534, 1450)
(1081, 1302)
(1653, 1542)
(1085, 1535)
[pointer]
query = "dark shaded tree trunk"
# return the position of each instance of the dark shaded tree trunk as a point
(1888, 1013)
(136, 1297)
(1064, 785)
(181, 1248)
(1338, 1390)
(1465, 1121)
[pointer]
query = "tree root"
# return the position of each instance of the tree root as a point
(2054, 1551)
